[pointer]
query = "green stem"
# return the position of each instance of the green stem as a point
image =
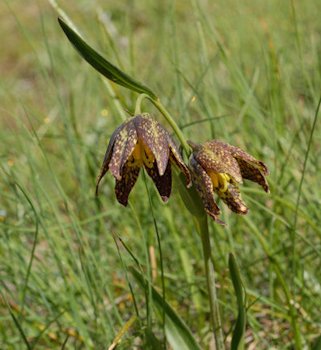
(173, 125)
(167, 116)
(210, 279)
(139, 101)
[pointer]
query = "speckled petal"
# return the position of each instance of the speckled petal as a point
(240, 154)
(125, 142)
(155, 137)
(251, 168)
(204, 188)
(251, 172)
(105, 165)
(233, 200)
(177, 159)
(163, 183)
(215, 156)
(126, 183)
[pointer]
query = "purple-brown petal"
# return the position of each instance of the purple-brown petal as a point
(251, 168)
(232, 198)
(125, 142)
(126, 183)
(155, 137)
(163, 183)
(215, 156)
(105, 165)
(177, 159)
(250, 172)
(204, 188)
(240, 154)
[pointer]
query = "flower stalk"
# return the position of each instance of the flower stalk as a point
(168, 117)
(173, 125)
(216, 323)
(139, 101)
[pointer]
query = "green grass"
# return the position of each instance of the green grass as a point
(245, 72)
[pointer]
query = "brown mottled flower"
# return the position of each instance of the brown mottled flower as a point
(141, 142)
(219, 167)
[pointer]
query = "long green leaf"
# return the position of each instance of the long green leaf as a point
(239, 329)
(190, 197)
(101, 64)
(178, 334)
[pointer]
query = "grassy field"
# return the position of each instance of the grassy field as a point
(245, 72)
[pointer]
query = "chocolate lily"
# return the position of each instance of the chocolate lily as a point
(219, 167)
(141, 142)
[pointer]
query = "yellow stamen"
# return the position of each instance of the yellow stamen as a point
(214, 177)
(142, 155)
(148, 157)
(220, 181)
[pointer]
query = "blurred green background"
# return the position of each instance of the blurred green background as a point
(245, 72)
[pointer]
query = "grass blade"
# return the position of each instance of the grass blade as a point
(239, 329)
(17, 324)
(101, 64)
(178, 334)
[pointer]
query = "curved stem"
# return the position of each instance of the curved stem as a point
(173, 124)
(167, 116)
(210, 279)
(139, 101)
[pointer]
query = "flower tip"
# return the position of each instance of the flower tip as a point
(165, 199)
(243, 210)
(264, 168)
(220, 222)
(214, 216)
(122, 202)
(97, 185)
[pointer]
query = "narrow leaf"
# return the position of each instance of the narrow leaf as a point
(101, 64)
(190, 197)
(178, 334)
(239, 329)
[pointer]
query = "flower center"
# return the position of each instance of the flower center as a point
(142, 155)
(220, 181)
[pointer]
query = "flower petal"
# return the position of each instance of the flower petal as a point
(126, 183)
(155, 137)
(204, 187)
(251, 168)
(125, 142)
(251, 172)
(177, 159)
(233, 200)
(215, 156)
(163, 183)
(105, 165)
(240, 154)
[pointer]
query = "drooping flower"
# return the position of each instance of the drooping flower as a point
(219, 167)
(141, 142)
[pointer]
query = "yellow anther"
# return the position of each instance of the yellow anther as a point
(223, 182)
(142, 155)
(220, 181)
(214, 178)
